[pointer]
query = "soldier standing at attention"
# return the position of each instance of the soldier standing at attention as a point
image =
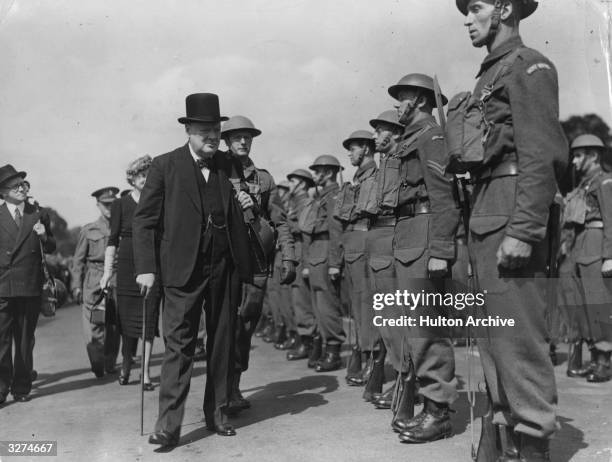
(424, 248)
(300, 182)
(238, 133)
(589, 210)
(379, 246)
(102, 339)
(523, 154)
(323, 261)
(352, 210)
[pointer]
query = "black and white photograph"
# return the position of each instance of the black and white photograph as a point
(306, 230)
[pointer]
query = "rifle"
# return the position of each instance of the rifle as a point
(488, 444)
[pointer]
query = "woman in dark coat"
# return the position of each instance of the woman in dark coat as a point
(119, 253)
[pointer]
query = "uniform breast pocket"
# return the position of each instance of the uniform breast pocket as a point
(411, 170)
(390, 175)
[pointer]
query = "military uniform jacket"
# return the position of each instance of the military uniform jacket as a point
(20, 259)
(421, 179)
(357, 200)
(263, 189)
(321, 223)
(597, 191)
(88, 260)
(523, 113)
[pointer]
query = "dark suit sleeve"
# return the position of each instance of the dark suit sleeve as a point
(540, 144)
(115, 224)
(49, 245)
(147, 218)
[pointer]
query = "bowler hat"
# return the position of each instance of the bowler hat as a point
(8, 172)
(202, 107)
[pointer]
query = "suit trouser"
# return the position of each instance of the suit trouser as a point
(18, 318)
(356, 272)
(215, 281)
(248, 316)
(325, 296)
(101, 340)
(515, 360)
(430, 347)
(300, 298)
(382, 279)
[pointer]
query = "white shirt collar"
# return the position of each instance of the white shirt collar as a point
(12, 208)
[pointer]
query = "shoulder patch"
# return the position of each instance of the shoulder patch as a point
(537, 67)
(437, 138)
(606, 181)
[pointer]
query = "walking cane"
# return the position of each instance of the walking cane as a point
(142, 360)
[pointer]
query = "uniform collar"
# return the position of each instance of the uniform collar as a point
(249, 169)
(415, 127)
(102, 222)
(501, 51)
(365, 168)
(329, 189)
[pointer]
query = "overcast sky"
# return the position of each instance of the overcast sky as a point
(85, 87)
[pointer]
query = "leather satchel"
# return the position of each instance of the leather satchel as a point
(49, 289)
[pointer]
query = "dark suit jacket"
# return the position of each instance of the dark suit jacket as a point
(170, 207)
(20, 258)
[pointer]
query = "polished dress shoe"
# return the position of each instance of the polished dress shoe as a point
(331, 361)
(219, 424)
(124, 378)
(22, 397)
(148, 386)
(164, 439)
(316, 351)
(353, 367)
(289, 344)
(110, 370)
(433, 426)
(603, 368)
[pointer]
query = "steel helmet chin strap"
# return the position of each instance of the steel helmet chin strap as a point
(495, 19)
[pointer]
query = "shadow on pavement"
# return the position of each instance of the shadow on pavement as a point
(275, 399)
(567, 442)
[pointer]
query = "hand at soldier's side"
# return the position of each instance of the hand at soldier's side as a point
(606, 268)
(145, 282)
(437, 267)
(77, 295)
(287, 275)
(305, 273)
(245, 200)
(513, 253)
(334, 274)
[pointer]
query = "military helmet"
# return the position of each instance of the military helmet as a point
(414, 81)
(529, 6)
(239, 123)
(389, 117)
(302, 174)
(587, 141)
(326, 160)
(359, 135)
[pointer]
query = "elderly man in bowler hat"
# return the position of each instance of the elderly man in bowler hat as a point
(190, 216)
(23, 228)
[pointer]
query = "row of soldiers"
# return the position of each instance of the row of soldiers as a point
(398, 226)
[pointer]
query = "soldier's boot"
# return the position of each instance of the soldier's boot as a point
(265, 326)
(281, 336)
(434, 425)
(510, 443)
(302, 350)
(316, 352)
(290, 342)
(534, 449)
(360, 380)
(353, 369)
(403, 418)
(385, 400)
(603, 368)
(237, 402)
(377, 377)
(574, 361)
(331, 361)
(277, 333)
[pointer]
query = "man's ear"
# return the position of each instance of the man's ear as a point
(508, 10)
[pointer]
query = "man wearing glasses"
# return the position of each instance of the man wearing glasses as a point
(23, 227)
(101, 335)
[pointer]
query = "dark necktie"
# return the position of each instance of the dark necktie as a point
(203, 163)
(18, 218)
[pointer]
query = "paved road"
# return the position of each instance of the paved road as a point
(297, 415)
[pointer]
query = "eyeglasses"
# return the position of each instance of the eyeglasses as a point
(23, 185)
